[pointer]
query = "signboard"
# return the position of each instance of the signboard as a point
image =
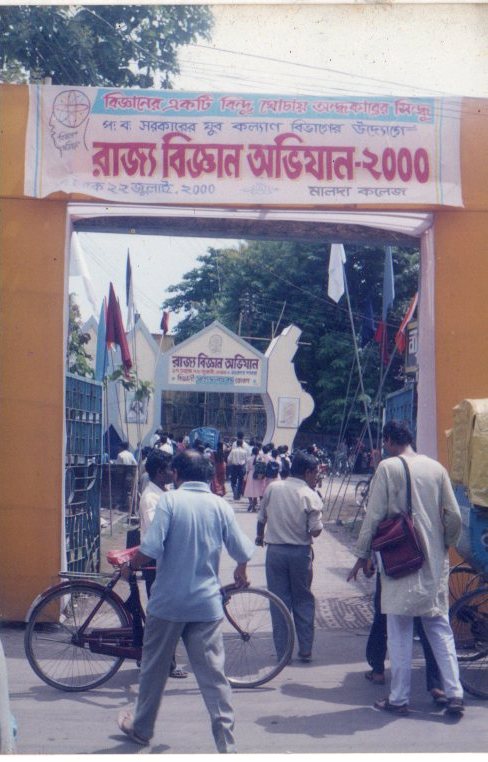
(411, 364)
(158, 146)
(288, 412)
(215, 360)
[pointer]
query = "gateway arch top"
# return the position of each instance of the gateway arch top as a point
(165, 147)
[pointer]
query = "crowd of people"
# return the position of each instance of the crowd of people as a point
(184, 531)
(249, 465)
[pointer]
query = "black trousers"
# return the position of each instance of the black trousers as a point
(377, 643)
(236, 475)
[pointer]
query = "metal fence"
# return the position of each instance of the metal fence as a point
(83, 473)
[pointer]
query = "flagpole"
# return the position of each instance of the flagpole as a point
(356, 352)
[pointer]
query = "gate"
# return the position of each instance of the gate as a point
(402, 406)
(83, 473)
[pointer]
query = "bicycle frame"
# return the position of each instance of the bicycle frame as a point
(125, 642)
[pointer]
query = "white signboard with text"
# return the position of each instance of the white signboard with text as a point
(215, 360)
(158, 146)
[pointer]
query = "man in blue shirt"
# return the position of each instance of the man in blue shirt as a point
(186, 537)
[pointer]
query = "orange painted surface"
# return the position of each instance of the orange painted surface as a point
(31, 398)
(32, 282)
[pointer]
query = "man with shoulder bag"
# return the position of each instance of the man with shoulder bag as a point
(421, 589)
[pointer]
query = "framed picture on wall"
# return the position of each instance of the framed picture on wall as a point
(288, 412)
(136, 410)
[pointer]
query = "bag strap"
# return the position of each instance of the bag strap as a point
(409, 485)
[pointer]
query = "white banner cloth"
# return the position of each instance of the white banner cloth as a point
(151, 146)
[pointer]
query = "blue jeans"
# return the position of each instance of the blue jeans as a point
(289, 576)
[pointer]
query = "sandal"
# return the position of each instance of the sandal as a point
(455, 706)
(125, 721)
(438, 696)
(399, 709)
(178, 673)
(377, 678)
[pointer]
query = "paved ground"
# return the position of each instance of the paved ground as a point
(325, 706)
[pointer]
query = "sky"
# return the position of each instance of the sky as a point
(346, 49)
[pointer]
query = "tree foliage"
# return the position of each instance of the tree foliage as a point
(77, 357)
(100, 45)
(258, 288)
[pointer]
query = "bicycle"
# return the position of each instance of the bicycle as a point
(469, 622)
(462, 579)
(361, 493)
(80, 631)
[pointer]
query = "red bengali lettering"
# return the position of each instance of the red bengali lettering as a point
(112, 159)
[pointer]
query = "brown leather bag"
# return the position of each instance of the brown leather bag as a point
(397, 540)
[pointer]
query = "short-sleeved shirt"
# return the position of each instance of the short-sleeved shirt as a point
(126, 458)
(147, 506)
(291, 511)
(191, 526)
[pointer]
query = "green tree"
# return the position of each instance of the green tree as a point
(100, 45)
(260, 287)
(77, 357)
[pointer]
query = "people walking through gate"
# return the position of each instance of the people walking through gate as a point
(423, 593)
(187, 535)
(159, 471)
(255, 479)
(236, 464)
(290, 516)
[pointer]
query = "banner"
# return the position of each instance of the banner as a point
(153, 146)
(215, 360)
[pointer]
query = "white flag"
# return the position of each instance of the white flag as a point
(77, 266)
(336, 271)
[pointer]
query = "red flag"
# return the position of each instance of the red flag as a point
(400, 340)
(165, 322)
(381, 338)
(115, 333)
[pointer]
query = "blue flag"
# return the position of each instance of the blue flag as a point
(388, 283)
(368, 327)
(101, 357)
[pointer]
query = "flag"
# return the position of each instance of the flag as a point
(78, 266)
(368, 327)
(129, 293)
(165, 322)
(388, 283)
(101, 356)
(115, 328)
(400, 340)
(381, 337)
(337, 259)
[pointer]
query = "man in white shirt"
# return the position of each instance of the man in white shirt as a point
(125, 457)
(236, 463)
(290, 516)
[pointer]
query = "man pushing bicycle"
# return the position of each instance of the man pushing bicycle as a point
(191, 526)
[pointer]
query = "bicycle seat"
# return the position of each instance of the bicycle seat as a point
(119, 557)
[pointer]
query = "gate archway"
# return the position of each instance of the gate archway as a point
(35, 242)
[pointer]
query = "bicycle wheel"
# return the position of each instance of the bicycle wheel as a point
(462, 579)
(250, 654)
(361, 493)
(469, 622)
(50, 637)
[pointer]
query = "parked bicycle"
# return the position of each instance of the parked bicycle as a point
(468, 615)
(361, 493)
(80, 631)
